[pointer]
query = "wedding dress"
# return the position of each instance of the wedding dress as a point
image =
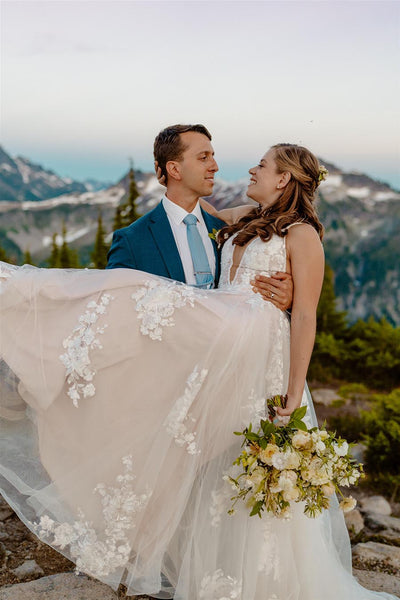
(120, 392)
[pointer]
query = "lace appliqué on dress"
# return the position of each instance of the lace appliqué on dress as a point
(221, 498)
(255, 410)
(76, 359)
(156, 303)
(268, 557)
(178, 417)
(92, 555)
(219, 586)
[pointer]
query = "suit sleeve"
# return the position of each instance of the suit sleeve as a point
(120, 254)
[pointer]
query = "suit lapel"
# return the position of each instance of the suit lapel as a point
(211, 224)
(164, 239)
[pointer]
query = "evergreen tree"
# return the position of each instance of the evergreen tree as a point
(117, 219)
(28, 258)
(329, 319)
(54, 260)
(68, 259)
(329, 352)
(99, 254)
(129, 212)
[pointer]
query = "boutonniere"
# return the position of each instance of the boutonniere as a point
(214, 236)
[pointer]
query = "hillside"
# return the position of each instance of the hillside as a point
(361, 218)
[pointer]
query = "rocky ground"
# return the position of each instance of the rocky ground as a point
(31, 569)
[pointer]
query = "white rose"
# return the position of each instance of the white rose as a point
(279, 461)
(292, 459)
(302, 440)
(287, 480)
(347, 504)
(328, 489)
(292, 494)
(341, 449)
(267, 454)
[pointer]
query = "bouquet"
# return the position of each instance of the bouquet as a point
(290, 463)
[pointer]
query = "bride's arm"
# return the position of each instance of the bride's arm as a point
(229, 215)
(306, 257)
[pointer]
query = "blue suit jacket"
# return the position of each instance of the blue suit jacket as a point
(149, 245)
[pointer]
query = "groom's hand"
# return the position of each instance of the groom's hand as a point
(277, 289)
(160, 176)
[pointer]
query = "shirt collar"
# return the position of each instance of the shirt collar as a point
(177, 213)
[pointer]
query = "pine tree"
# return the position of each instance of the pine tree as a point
(99, 254)
(329, 319)
(28, 258)
(68, 259)
(129, 212)
(54, 260)
(117, 219)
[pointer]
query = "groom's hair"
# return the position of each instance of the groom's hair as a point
(168, 144)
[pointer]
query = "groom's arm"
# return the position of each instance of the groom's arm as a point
(120, 254)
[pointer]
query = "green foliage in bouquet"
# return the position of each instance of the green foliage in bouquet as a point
(281, 465)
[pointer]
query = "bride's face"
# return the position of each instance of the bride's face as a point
(265, 182)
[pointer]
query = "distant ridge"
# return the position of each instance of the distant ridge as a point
(361, 217)
(22, 180)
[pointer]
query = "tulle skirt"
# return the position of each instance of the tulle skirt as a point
(120, 392)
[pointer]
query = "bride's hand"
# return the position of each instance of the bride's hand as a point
(160, 176)
(292, 403)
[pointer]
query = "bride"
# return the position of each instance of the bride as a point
(120, 392)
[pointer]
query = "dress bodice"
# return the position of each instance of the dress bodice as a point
(259, 258)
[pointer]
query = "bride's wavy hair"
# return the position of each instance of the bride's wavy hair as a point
(295, 203)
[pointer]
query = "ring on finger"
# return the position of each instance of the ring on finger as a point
(271, 295)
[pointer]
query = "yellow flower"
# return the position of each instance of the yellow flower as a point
(267, 454)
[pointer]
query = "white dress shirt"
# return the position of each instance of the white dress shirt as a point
(175, 215)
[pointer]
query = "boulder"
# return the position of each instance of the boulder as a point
(3, 554)
(65, 586)
(370, 553)
(378, 582)
(5, 513)
(29, 568)
(376, 504)
(354, 521)
(325, 396)
(376, 521)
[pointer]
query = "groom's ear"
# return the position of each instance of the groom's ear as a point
(173, 170)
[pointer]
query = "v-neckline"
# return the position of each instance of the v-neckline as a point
(246, 247)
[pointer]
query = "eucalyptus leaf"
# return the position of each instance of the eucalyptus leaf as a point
(253, 437)
(299, 413)
(256, 508)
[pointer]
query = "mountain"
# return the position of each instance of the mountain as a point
(361, 218)
(21, 180)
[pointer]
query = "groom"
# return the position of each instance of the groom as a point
(173, 239)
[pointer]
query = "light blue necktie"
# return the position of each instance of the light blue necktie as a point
(201, 266)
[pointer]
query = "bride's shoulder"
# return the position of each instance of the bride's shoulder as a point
(304, 235)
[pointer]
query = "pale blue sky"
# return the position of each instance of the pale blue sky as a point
(87, 84)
